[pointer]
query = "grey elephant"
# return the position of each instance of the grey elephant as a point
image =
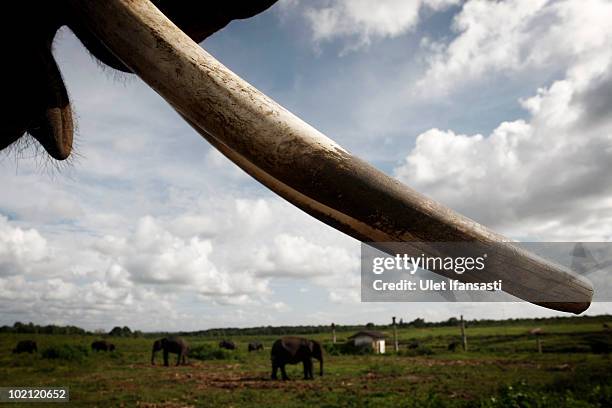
(452, 346)
(25, 346)
(294, 350)
(173, 345)
(255, 346)
(227, 344)
(102, 345)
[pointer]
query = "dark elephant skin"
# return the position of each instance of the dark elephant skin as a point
(102, 345)
(26, 346)
(174, 345)
(255, 346)
(294, 350)
(227, 344)
(35, 98)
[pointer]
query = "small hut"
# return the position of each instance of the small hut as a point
(369, 338)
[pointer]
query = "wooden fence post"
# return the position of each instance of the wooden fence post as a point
(395, 341)
(463, 335)
(333, 333)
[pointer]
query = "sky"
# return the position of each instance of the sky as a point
(500, 110)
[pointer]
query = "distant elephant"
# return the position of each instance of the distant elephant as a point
(227, 344)
(102, 345)
(255, 346)
(293, 350)
(452, 346)
(173, 345)
(414, 344)
(25, 346)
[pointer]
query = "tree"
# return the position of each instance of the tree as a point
(418, 322)
(116, 332)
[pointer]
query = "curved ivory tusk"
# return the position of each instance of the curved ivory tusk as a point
(302, 165)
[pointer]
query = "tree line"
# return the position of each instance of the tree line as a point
(31, 328)
(19, 327)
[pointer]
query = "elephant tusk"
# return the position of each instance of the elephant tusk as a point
(301, 164)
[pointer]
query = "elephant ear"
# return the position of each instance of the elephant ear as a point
(198, 19)
(315, 347)
(291, 345)
(35, 97)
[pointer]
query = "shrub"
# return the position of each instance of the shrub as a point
(420, 350)
(332, 349)
(350, 348)
(574, 394)
(600, 344)
(65, 352)
(208, 352)
(120, 332)
(347, 348)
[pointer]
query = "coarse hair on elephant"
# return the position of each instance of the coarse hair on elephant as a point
(26, 346)
(173, 345)
(102, 345)
(255, 346)
(37, 99)
(227, 344)
(294, 350)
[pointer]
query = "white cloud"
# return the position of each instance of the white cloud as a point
(517, 36)
(543, 177)
(547, 177)
(281, 307)
(294, 256)
(362, 21)
(20, 249)
(153, 255)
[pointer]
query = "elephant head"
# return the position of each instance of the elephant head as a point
(268, 142)
(158, 345)
(317, 353)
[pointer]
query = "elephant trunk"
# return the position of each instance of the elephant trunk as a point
(153, 357)
(304, 166)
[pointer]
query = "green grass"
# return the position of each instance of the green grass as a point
(501, 369)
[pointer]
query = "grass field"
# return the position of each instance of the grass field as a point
(501, 369)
